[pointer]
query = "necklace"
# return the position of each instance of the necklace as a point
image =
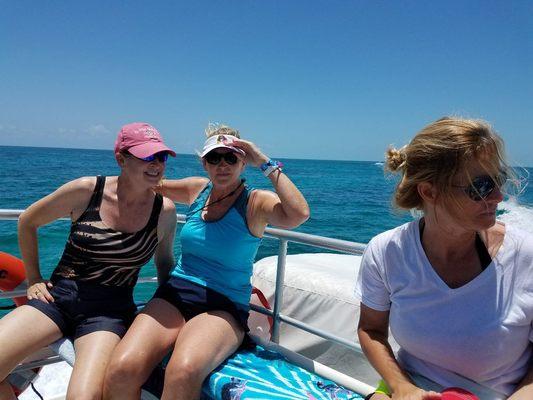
(219, 200)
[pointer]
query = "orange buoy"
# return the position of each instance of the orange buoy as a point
(12, 275)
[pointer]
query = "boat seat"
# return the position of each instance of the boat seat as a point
(64, 348)
(252, 373)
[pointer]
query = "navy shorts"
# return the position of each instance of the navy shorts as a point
(80, 308)
(192, 299)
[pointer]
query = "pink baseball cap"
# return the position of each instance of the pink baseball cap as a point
(141, 139)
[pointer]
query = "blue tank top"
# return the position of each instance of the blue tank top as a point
(219, 254)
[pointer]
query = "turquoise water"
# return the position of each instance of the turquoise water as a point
(349, 199)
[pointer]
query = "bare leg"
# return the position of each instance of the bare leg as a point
(203, 343)
(6, 393)
(93, 352)
(22, 332)
(151, 336)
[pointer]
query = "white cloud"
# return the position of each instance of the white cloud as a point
(97, 130)
(9, 128)
(90, 136)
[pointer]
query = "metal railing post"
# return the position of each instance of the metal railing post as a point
(278, 298)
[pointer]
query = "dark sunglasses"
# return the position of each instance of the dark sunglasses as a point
(482, 186)
(162, 156)
(214, 158)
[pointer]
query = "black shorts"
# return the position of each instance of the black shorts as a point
(192, 299)
(80, 308)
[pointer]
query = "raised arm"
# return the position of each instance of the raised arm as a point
(69, 200)
(373, 331)
(287, 208)
(183, 191)
(166, 232)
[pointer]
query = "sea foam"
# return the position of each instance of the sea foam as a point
(516, 214)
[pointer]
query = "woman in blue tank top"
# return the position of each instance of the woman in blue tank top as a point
(201, 312)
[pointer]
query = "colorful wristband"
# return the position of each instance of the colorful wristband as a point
(270, 166)
(383, 388)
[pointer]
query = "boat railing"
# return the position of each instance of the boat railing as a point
(284, 237)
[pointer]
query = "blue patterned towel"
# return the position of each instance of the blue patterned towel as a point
(261, 374)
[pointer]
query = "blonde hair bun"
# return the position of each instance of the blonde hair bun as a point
(395, 158)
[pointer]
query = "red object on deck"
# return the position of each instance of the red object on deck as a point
(12, 274)
(455, 393)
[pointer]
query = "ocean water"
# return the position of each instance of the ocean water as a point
(349, 200)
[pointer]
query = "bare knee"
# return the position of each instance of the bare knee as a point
(125, 371)
(183, 372)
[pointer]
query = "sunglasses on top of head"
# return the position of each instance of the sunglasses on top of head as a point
(162, 156)
(215, 158)
(482, 186)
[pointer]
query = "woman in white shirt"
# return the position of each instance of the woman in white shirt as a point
(455, 286)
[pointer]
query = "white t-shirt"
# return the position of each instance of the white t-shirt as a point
(481, 330)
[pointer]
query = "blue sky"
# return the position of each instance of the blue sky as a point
(303, 79)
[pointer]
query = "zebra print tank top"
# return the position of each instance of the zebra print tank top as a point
(95, 253)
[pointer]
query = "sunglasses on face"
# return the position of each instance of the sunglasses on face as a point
(215, 158)
(161, 157)
(482, 186)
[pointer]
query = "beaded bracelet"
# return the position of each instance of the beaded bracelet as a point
(270, 166)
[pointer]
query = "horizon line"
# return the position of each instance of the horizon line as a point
(189, 154)
(193, 154)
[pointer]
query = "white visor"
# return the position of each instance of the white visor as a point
(217, 142)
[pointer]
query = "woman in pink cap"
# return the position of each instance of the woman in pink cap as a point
(201, 312)
(118, 223)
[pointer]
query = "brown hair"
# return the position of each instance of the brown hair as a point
(438, 152)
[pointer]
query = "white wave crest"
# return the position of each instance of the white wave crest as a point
(516, 214)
